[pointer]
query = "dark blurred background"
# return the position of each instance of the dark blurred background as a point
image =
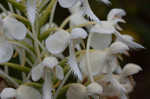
(138, 25)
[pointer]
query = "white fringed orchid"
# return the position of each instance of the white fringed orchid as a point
(76, 17)
(85, 9)
(11, 29)
(102, 32)
(103, 61)
(45, 69)
(58, 42)
(23, 92)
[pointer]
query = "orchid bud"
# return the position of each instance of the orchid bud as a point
(131, 69)
(94, 89)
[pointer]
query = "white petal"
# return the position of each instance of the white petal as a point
(116, 13)
(31, 10)
(6, 51)
(128, 41)
(78, 33)
(94, 89)
(106, 2)
(14, 28)
(118, 47)
(57, 42)
(59, 72)
(87, 11)
(131, 69)
(105, 27)
(77, 19)
(50, 62)
(97, 61)
(37, 72)
(67, 3)
(100, 41)
(25, 92)
(8, 93)
(77, 91)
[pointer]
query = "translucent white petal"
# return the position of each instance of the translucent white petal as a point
(31, 10)
(131, 69)
(8, 93)
(37, 72)
(94, 89)
(118, 47)
(104, 27)
(57, 42)
(14, 28)
(116, 13)
(6, 51)
(50, 62)
(97, 61)
(25, 92)
(100, 41)
(77, 19)
(59, 72)
(67, 3)
(77, 33)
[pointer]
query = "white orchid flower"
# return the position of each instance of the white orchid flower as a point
(11, 29)
(86, 9)
(57, 43)
(44, 69)
(76, 17)
(23, 92)
(102, 32)
(103, 61)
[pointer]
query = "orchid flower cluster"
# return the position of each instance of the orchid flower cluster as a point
(46, 54)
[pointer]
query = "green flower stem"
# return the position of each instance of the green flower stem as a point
(45, 15)
(23, 45)
(37, 50)
(51, 18)
(63, 91)
(8, 79)
(37, 85)
(22, 19)
(46, 33)
(62, 83)
(17, 67)
(64, 23)
(18, 5)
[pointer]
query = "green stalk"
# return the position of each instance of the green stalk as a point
(46, 33)
(18, 5)
(45, 15)
(16, 66)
